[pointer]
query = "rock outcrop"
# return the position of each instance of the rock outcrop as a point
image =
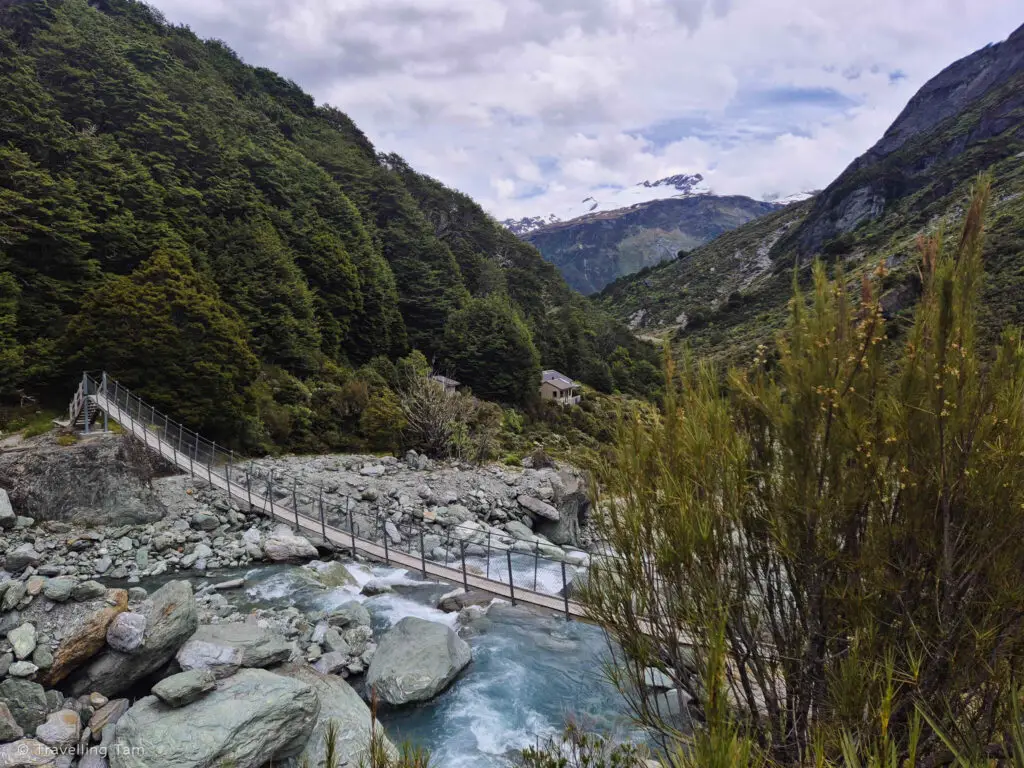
(100, 480)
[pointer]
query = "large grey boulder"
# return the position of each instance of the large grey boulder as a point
(416, 660)
(340, 704)
(538, 508)
(13, 594)
(59, 590)
(348, 615)
(21, 557)
(259, 647)
(253, 718)
(329, 574)
(284, 546)
(9, 728)
(170, 620)
(22, 640)
(221, 660)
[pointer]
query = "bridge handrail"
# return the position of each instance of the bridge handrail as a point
(309, 512)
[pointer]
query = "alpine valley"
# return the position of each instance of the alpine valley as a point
(730, 295)
(617, 232)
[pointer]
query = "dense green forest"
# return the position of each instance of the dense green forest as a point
(205, 231)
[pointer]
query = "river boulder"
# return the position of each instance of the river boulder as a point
(259, 647)
(340, 704)
(284, 546)
(253, 718)
(171, 619)
(416, 660)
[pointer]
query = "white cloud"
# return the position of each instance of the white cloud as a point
(528, 104)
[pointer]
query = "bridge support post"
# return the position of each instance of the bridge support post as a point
(387, 555)
(536, 562)
(351, 525)
(270, 492)
(85, 401)
(565, 594)
(248, 486)
(487, 567)
(106, 423)
(323, 522)
(423, 554)
(511, 579)
(295, 506)
(465, 578)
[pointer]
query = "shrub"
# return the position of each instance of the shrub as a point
(824, 557)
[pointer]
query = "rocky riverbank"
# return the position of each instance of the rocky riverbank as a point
(93, 616)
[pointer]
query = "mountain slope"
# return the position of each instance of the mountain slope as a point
(595, 249)
(968, 119)
(139, 161)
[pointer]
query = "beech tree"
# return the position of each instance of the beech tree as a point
(162, 333)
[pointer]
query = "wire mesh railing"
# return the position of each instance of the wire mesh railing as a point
(472, 550)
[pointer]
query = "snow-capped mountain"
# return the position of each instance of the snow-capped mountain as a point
(612, 199)
(796, 197)
(680, 185)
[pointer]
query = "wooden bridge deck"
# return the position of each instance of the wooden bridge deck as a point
(344, 540)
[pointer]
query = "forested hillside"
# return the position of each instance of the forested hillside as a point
(204, 230)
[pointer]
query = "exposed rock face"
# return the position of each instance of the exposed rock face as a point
(170, 619)
(416, 660)
(342, 705)
(102, 480)
(252, 718)
(923, 136)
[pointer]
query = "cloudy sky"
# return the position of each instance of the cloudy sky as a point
(531, 105)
